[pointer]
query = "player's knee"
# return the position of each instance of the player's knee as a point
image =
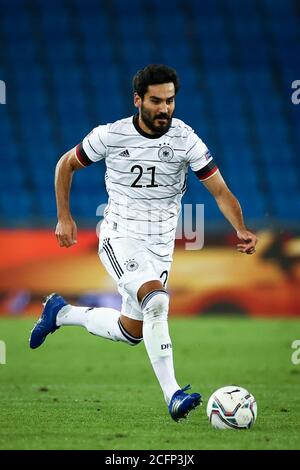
(155, 306)
(147, 288)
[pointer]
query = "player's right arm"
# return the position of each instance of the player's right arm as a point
(66, 230)
(92, 149)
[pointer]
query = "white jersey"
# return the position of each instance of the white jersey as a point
(145, 175)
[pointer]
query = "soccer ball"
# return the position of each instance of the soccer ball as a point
(231, 407)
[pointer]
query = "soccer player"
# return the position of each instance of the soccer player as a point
(147, 158)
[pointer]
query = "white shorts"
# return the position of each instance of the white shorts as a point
(131, 263)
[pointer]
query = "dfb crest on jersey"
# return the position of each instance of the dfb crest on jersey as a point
(131, 265)
(165, 153)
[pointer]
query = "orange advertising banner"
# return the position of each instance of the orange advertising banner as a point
(214, 280)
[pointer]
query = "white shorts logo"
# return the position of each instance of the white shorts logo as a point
(131, 265)
(165, 153)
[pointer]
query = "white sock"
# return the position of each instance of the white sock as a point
(157, 341)
(102, 322)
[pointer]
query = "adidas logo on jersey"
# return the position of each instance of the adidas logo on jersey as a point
(125, 153)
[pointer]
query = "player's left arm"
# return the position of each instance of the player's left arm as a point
(231, 209)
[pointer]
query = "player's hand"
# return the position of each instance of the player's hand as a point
(66, 232)
(249, 241)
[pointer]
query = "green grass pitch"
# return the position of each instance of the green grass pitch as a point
(82, 392)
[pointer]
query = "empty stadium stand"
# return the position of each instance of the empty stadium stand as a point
(68, 66)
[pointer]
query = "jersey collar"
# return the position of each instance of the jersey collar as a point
(135, 121)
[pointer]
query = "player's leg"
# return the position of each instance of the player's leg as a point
(104, 322)
(133, 327)
(154, 302)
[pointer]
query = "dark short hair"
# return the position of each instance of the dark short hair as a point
(154, 74)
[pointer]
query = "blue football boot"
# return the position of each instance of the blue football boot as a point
(182, 403)
(47, 322)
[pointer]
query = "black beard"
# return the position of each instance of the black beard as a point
(149, 122)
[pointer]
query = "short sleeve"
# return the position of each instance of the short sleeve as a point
(199, 158)
(93, 147)
(197, 153)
